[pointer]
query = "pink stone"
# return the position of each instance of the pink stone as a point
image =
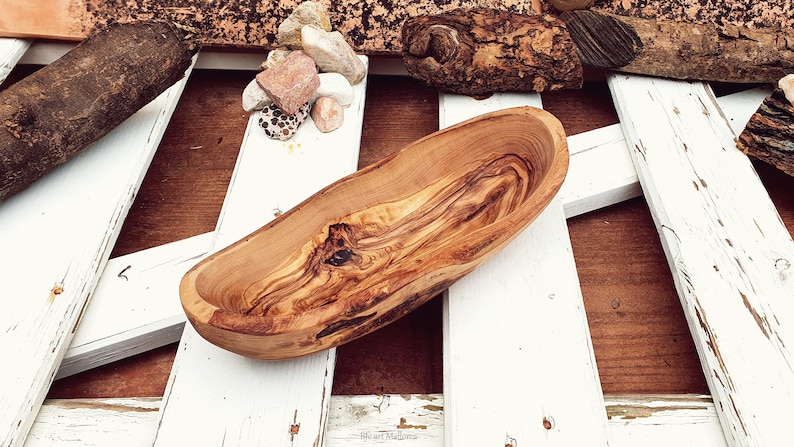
(327, 114)
(291, 82)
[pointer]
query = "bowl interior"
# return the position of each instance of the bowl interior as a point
(412, 213)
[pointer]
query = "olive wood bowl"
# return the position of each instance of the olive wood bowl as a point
(377, 244)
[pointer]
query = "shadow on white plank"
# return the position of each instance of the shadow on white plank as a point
(415, 420)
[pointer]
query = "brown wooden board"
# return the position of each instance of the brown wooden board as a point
(371, 26)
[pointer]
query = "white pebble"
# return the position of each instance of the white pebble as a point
(334, 85)
(254, 97)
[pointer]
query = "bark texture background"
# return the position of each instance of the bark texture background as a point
(371, 26)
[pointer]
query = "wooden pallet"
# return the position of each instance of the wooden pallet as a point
(729, 252)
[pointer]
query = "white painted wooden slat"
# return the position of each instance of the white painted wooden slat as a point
(668, 420)
(117, 422)
(600, 172)
(519, 368)
(730, 254)
(133, 308)
(56, 236)
(416, 420)
(216, 397)
(739, 107)
(11, 50)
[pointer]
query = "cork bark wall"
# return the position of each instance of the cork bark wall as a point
(371, 26)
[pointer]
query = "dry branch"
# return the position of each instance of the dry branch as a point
(53, 114)
(482, 51)
(684, 50)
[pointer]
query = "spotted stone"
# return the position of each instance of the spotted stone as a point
(279, 125)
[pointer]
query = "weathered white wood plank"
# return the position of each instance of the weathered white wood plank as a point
(216, 397)
(11, 51)
(56, 236)
(730, 254)
(416, 420)
(668, 420)
(739, 107)
(519, 367)
(600, 172)
(133, 308)
(117, 422)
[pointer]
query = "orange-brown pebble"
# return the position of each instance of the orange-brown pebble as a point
(327, 114)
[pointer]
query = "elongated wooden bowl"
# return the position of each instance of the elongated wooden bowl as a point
(379, 243)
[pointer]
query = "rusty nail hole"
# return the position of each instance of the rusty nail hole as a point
(548, 422)
(294, 428)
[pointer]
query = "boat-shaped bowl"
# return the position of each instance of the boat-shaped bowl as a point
(377, 244)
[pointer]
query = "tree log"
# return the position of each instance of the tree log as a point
(769, 135)
(681, 50)
(56, 112)
(482, 51)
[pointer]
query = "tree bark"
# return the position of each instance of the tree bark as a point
(750, 14)
(482, 51)
(682, 50)
(769, 135)
(56, 112)
(370, 26)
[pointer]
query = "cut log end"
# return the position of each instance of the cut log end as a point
(602, 41)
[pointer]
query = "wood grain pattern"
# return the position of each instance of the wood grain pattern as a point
(482, 51)
(431, 213)
(183, 192)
